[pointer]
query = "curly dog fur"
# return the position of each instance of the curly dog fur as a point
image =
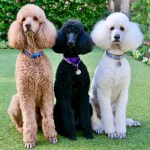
(110, 85)
(33, 103)
(72, 109)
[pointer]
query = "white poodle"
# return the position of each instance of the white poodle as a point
(110, 85)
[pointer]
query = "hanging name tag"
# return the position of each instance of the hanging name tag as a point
(78, 72)
(119, 63)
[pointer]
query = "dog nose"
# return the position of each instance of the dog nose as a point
(70, 44)
(28, 26)
(117, 36)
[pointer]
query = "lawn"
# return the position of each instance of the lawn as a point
(138, 108)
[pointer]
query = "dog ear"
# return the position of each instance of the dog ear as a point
(46, 35)
(16, 37)
(101, 35)
(60, 44)
(133, 37)
(84, 43)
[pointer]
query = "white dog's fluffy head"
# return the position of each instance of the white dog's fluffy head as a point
(117, 30)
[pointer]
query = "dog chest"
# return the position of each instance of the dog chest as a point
(110, 77)
(31, 74)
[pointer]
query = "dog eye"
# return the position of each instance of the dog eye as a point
(122, 28)
(23, 19)
(76, 34)
(112, 28)
(35, 18)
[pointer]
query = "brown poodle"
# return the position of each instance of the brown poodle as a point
(33, 103)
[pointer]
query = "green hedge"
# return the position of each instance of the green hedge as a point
(57, 11)
(141, 13)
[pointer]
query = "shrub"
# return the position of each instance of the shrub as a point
(3, 45)
(57, 11)
(140, 13)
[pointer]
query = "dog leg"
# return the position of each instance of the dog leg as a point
(106, 111)
(63, 92)
(15, 114)
(120, 114)
(67, 118)
(97, 125)
(85, 119)
(47, 116)
(27, 104)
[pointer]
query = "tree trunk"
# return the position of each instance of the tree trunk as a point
(125, 6)
(112, 7)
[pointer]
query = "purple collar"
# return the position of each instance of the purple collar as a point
(73, 61)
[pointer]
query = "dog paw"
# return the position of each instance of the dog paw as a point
(89, 136)
(99, 131)
(53, 140)
(132, 123)
(72, 138)
(29, 145)
(136, 124)
(112, 135)
(121, 135)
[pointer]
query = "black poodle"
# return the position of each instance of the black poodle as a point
(72, 109)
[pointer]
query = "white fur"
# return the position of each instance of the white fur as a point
(131, 36)
(111, 83)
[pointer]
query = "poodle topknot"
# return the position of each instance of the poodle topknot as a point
(27, 11)
(31, 18)
(117, 31)
(73, 26)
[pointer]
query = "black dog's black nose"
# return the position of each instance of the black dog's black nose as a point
(117, 36)
(28, 26)
(70, 44)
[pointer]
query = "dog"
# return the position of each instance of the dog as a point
(32, 106)
(110, 84)
(72, 108)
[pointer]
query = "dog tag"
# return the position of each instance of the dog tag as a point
(119, 63)
(78, 72)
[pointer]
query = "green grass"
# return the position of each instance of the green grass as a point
(138, 108)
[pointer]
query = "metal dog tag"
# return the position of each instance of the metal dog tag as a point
(119, 63)
(78, 72)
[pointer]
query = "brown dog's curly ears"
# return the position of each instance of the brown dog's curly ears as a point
(16, 37)
(46, 35)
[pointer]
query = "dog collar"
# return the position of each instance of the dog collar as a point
(75, 61)
(35, 55)
(118, 57)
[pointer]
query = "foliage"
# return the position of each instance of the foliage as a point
(3, 44)
(57, 11)
(140, 13)
(142, 56)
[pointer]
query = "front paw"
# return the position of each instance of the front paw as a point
(89, 136)
(52, 140)
(72, 138)
(121, 135)
(99, 131)
(29, 145)
(112, 135)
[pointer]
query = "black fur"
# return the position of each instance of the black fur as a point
(72, 109)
